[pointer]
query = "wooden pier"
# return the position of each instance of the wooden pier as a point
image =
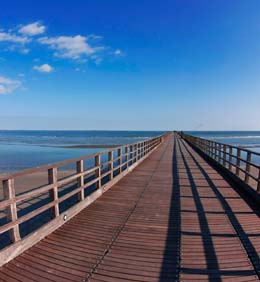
(165, 209)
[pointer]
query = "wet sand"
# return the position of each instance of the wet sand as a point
(102, 146)
(31, 182)
(34, 181)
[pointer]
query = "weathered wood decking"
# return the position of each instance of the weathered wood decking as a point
(174, 218)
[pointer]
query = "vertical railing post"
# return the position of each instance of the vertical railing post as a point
(230, 157)
(11, 210)
(142, 150)
(208, 147)
(131, 154)
(211, 150)
(126, 156)
(219, 152)
(98, 170)
(137, 152)
(258, 184)
(238, 161)
(145, 148)
(149, 146)
(224, 155)
(80, 170)
(248, 166)
(53, 179)
(111, 164)
(119, 153)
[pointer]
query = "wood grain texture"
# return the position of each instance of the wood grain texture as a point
(172, 218)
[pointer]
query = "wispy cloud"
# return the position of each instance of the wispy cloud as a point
(13, 42)
(13, 38)
(71, 47)
(32, 29)
(79, 48)
(7, 85)
(44, 68)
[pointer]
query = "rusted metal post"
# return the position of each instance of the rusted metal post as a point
(98, 170)
(248, 166)
(53, 179)
(111, 164)
(80, 170)
(11, 210)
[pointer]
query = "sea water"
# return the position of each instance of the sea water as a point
(21, 149)
(245, 139)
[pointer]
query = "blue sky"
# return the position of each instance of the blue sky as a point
(141, 65)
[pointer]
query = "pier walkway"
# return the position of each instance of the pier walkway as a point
(173, 218)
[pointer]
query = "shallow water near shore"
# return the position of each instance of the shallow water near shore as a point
(21, 149)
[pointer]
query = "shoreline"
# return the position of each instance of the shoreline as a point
(87, 146)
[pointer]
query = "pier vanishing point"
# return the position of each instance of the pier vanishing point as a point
(170, 208)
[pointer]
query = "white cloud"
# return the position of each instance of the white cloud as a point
(72, 47)
(43, 68)
(32, 29)
(79, 48)
(118, 52)
(8, 85)
(9, 37)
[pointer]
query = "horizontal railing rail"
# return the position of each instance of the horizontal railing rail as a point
(241, 162)
(93, 175)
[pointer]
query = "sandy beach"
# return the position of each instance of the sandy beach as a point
(31, 182)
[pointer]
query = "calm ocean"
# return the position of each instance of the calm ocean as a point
(246, 139)
(26, 148)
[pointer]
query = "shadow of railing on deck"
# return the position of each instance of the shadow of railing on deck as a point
(241, 234)
(206, 236)
(171, 258)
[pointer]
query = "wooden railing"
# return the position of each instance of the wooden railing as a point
(94, 174)
(241, 162)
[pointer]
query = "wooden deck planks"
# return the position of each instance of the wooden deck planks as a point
(174, 218)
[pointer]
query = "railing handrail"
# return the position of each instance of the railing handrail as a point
(224, 155)
(100, 176)
(233, 146)
(69, 161)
